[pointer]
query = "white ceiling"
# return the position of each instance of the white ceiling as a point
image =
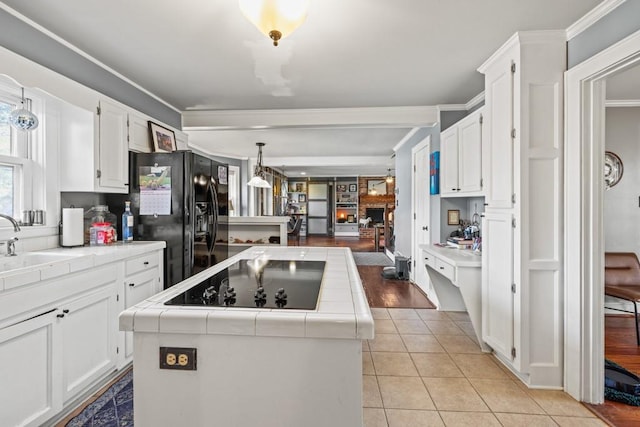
(203, 54)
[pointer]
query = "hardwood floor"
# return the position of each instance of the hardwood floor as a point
(620, 347)
(381, 292)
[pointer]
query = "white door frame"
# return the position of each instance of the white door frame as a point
(415, 257)
(584, 235)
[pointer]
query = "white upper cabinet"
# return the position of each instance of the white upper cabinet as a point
(139, 136)
(461, 157)
(93, 149)
(113, 163)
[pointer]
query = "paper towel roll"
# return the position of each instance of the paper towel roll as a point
(72, 227)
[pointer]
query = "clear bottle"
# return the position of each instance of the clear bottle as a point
(127, 223)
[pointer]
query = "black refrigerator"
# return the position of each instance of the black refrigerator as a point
(181, 198)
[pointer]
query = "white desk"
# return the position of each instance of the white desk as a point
(457, 281)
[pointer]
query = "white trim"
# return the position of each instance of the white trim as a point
(475, 101)
(622, 103)
(404, 140)
(452, 107)
(584, 249)
(591, 17)
(82, 53)
(520, 38)
(384, 117)
(424, 144)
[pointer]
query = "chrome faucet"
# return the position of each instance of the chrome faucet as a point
(11, 247)
(16, 227)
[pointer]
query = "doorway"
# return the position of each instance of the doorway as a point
(584, 213)
(420, 211)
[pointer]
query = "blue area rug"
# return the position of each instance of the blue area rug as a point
(114, 408)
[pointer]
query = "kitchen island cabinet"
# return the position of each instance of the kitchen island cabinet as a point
(293, 367)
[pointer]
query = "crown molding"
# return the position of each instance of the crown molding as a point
(591, 17)
(82, 53)
(452, 107)
(475, 101)
(521, 38)
(406, 138)
(622, 103)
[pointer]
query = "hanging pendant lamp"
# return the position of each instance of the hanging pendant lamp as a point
(275, 18)
(23, 119)
(258, 179)
(389, 177)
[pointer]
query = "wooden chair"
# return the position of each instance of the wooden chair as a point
(622, 280)
(294, 233)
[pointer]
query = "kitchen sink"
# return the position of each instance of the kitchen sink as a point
(31, 259)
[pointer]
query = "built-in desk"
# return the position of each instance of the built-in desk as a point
(457, 282)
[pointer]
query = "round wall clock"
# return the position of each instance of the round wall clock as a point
(613, 169)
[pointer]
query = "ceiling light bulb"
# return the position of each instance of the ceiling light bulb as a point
(275, 18)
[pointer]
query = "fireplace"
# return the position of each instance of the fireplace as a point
(376, 215)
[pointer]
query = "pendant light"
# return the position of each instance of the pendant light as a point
(275, 18)
(258, 179)
(389, 177)
(23, 119)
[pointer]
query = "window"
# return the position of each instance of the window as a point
(14, 149)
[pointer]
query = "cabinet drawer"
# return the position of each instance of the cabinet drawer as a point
(141, 263)
(429, 260)
(446, 269)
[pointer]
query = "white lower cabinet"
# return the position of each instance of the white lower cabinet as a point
(88, 339)
(28, 352)
(143, 279)
(52, 355)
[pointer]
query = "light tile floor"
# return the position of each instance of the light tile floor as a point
(425, 368)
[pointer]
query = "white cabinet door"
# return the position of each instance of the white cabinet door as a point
(497, 280)
(113, 148)
(449, 161)
(498, 154)
(88, 328)
(139, 136)
(27, 370)
(470, 154)
(138, 287)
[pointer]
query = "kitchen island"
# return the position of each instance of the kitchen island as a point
(202, 365)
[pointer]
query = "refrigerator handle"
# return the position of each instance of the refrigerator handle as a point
(213, 216)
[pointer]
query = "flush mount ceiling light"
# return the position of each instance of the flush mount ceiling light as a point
(258, 172)
(23, 119)
(389, 177)
(275, 18)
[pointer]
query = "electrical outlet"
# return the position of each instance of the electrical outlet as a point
(184, 359)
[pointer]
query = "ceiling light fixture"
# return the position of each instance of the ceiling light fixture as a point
(23, 119)
(389, 177)
(258, 179)
(275, 18)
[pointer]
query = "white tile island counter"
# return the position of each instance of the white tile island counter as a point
(253, 366)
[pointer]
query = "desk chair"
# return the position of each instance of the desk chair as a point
(622, 280)
(294, 233)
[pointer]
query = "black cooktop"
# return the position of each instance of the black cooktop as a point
(259, 283)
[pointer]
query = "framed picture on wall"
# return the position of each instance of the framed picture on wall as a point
(353, 188)
(302, 198)
(164, 140)
(340, 188)
(453, 217)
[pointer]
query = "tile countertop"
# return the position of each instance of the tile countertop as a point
(342, 311)
(457, 257)
(31, 267)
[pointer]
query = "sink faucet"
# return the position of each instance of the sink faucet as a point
(11, 247)
(16, 227)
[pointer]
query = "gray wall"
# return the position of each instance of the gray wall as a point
(615, 26)
(449, 118)
(402, 216)
(26, 41)
(621, 208)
